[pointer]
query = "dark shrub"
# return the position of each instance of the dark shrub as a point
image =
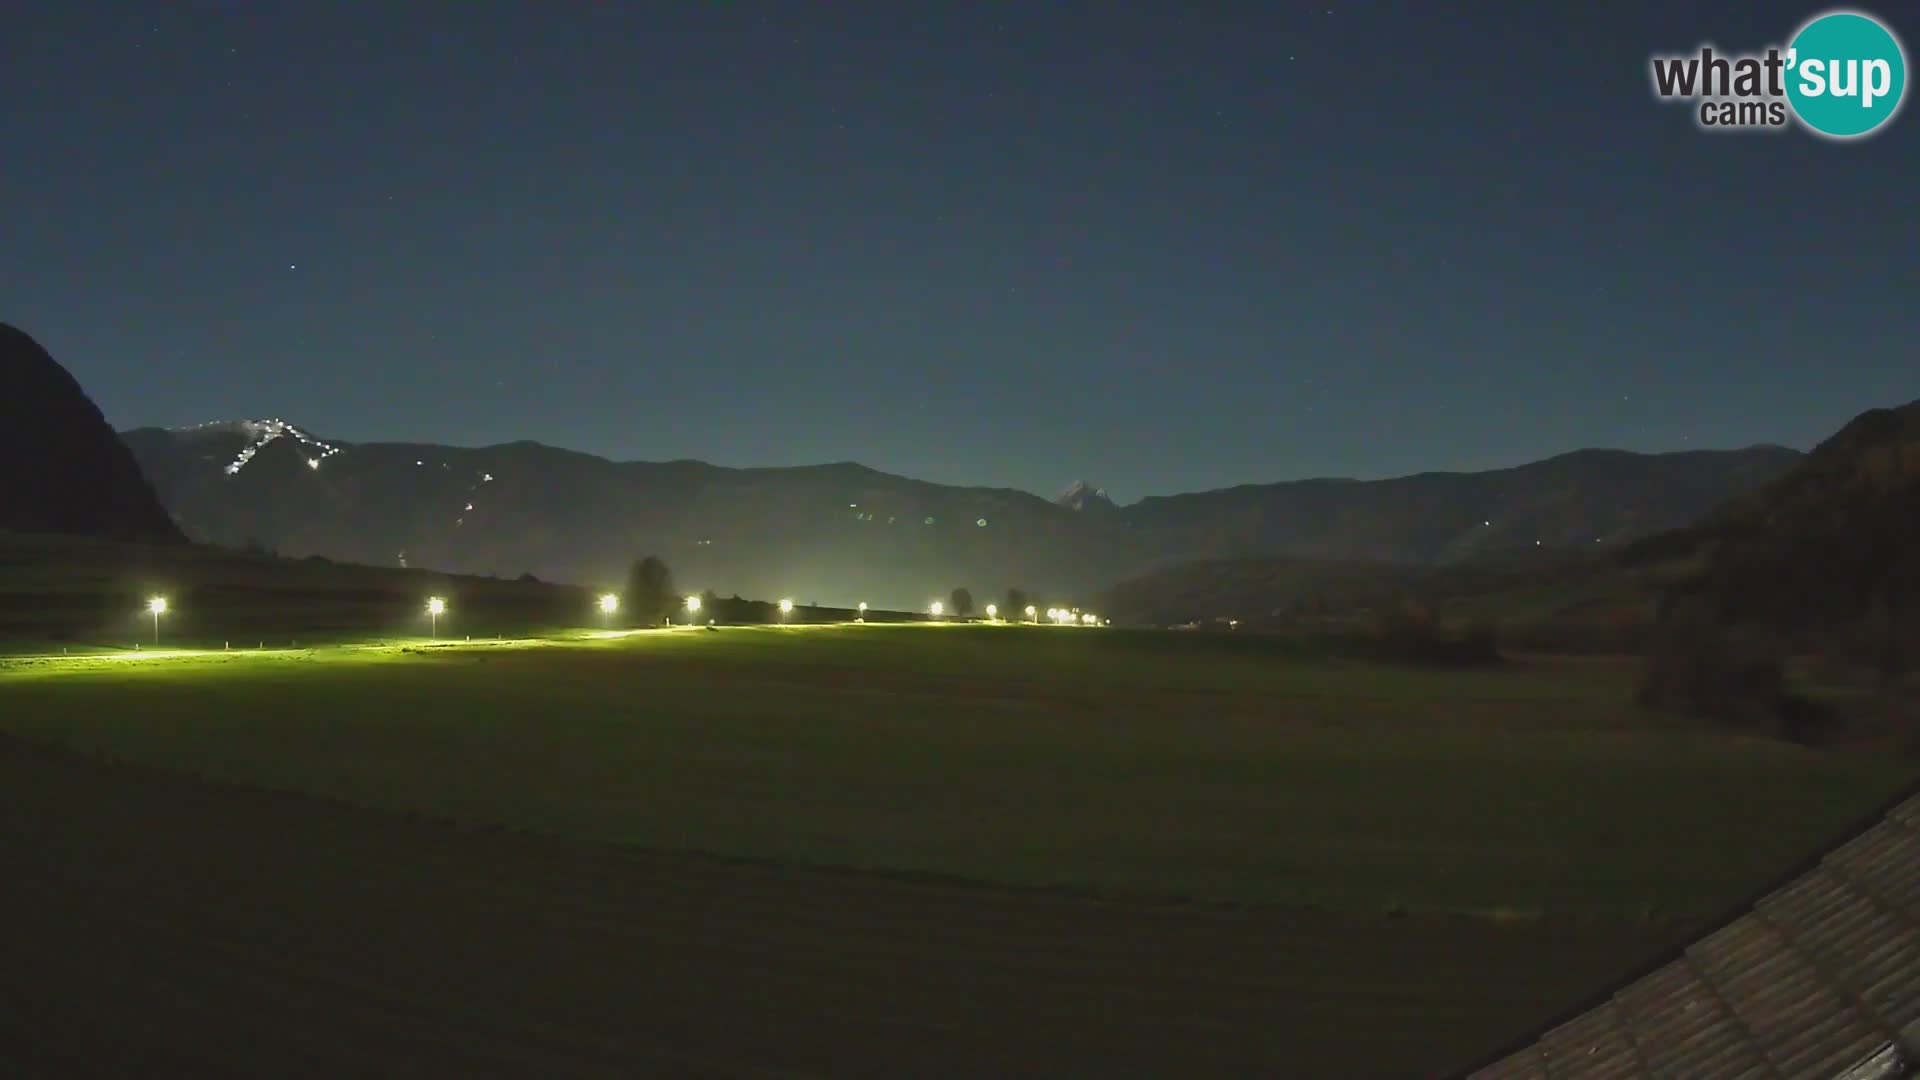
(1892, 718)
(649, 596)
(1412, 633)
(1730, 674)
(1906, 719)
(1610, 633)
(1885, 640)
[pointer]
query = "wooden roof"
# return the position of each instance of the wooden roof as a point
(1819, 978)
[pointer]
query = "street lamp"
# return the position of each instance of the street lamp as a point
(1032, 614)
(937, 608)
(786, 608)
(609, 603)
(993, 613)
(436, 607)
(693, 608)
(157, 606)
(863, 612)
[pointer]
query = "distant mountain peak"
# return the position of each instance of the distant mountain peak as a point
(565, 515)
(256, 434)
(1080, 495)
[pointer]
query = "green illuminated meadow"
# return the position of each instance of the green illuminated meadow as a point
(1124, 763)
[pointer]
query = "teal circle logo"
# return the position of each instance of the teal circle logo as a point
(1846, 75)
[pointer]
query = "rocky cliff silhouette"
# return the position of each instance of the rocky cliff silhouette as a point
(63, 469)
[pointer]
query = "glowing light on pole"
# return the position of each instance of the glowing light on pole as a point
(157, 606)
(693, 608)
(993, 613)
(609, 603)
(786, 608)
(862, 617)
(937, 608)
(436, 607)
(1031, 614)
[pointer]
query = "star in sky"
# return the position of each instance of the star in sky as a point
(623, 186)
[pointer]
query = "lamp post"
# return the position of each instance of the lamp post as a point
(609, 603)
(157, 606)
(1032, 614)
(993, 613)
(693, 608)
(936, 608)
(786, 608)
(436, 607)
(862, 617)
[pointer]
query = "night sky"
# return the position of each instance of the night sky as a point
(1161, 246)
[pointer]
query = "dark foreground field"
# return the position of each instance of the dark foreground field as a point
(900, 849)
(170, 926)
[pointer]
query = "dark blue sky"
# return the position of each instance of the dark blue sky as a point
(1164, 246)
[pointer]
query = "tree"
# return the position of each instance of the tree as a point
(1886, 644)
(962, 602)
(1698, 665)
(1016, 604)
(650, 595)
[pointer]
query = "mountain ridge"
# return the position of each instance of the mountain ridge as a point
(845, 531)
(1075, 489)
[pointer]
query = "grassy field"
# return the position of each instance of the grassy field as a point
(1135, 763)
(176, 928)
(1355, 814)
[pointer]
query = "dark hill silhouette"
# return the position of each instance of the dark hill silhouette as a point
(844, 532)
(1571, 502)
(1342, 545)
(1824, 560)
(1833, 541)
(62, 468)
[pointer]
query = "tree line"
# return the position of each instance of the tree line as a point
(651, 599)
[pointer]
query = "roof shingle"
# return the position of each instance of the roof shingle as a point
(1819, 978)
